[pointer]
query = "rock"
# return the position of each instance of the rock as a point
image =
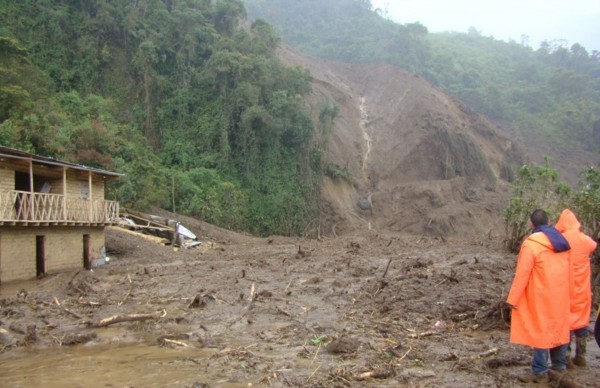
(6, 338)
(343, 345)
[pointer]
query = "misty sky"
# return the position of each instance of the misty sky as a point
(576, 21)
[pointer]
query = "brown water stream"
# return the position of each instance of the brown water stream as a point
(130, 365)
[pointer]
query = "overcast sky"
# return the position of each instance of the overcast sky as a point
(575, 21)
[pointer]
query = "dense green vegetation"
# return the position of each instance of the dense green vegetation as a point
(540, 187)
(552, 92)
(188, 99)
(192, 105)
(344, 30)
(536, 187)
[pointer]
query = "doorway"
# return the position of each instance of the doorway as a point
(22, 185)
(22, 182)
(87, 263)
(40, 255)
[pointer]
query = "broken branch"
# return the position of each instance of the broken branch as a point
(129, 318)
(66, 309)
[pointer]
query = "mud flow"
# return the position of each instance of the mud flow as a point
(371, 310)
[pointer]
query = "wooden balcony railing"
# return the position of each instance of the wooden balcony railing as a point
(25, 208)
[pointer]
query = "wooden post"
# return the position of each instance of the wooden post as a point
(90, 202)
(31, 202)
(64, 193)
(173, 191)
(175, 239)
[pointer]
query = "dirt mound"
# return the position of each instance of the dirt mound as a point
(420, 161)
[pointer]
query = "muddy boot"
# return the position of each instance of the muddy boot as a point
(580, 345)
(534, 378)
(570, 363)
(561, 379)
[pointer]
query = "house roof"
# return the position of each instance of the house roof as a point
(12, 153)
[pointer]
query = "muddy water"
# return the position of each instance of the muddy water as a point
(131, 365)
(364, 120)
(12, 288)
(122, 357)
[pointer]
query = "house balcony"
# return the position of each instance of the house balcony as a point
(40, 209)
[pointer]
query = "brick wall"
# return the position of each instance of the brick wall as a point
(63, 248)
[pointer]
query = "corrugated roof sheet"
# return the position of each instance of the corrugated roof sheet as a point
(13, 153)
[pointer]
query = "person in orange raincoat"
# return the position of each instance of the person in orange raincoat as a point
(540, 298)
(582, 247)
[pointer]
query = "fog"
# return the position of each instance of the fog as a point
(528, 22)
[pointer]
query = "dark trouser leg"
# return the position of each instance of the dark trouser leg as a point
(558, 355)
(539, 367)
(540, 361)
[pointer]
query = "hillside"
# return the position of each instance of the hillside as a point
(427, 163)
(192, 95)
(546, 99)
(405, 285)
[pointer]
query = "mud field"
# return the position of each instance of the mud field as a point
(376, 310)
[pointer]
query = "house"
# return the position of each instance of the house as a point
(52, 215)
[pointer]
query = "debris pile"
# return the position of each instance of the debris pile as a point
(164, 230)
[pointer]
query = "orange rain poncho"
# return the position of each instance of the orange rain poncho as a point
(582, 246)
(540, 293)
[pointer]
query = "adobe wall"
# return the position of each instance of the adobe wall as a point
(63, 250)
(7, 179)
(7, 183)
(77, 186)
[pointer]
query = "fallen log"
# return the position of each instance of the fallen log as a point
(167, 341)
(423, 334)
(128, 318)
(375, 374)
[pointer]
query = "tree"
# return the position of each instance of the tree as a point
(536, 187)
(20, 81)
(226, 15)
(586, 201)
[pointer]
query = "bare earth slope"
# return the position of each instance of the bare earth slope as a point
(427, 163)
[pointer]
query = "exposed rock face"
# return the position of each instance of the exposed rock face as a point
(420, 160)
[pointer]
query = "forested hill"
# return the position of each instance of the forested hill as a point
(548, 97)
(195, 110)
(190, 101)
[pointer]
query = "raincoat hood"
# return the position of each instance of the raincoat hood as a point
(567, 221)
(582, 246)
(557, 240)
